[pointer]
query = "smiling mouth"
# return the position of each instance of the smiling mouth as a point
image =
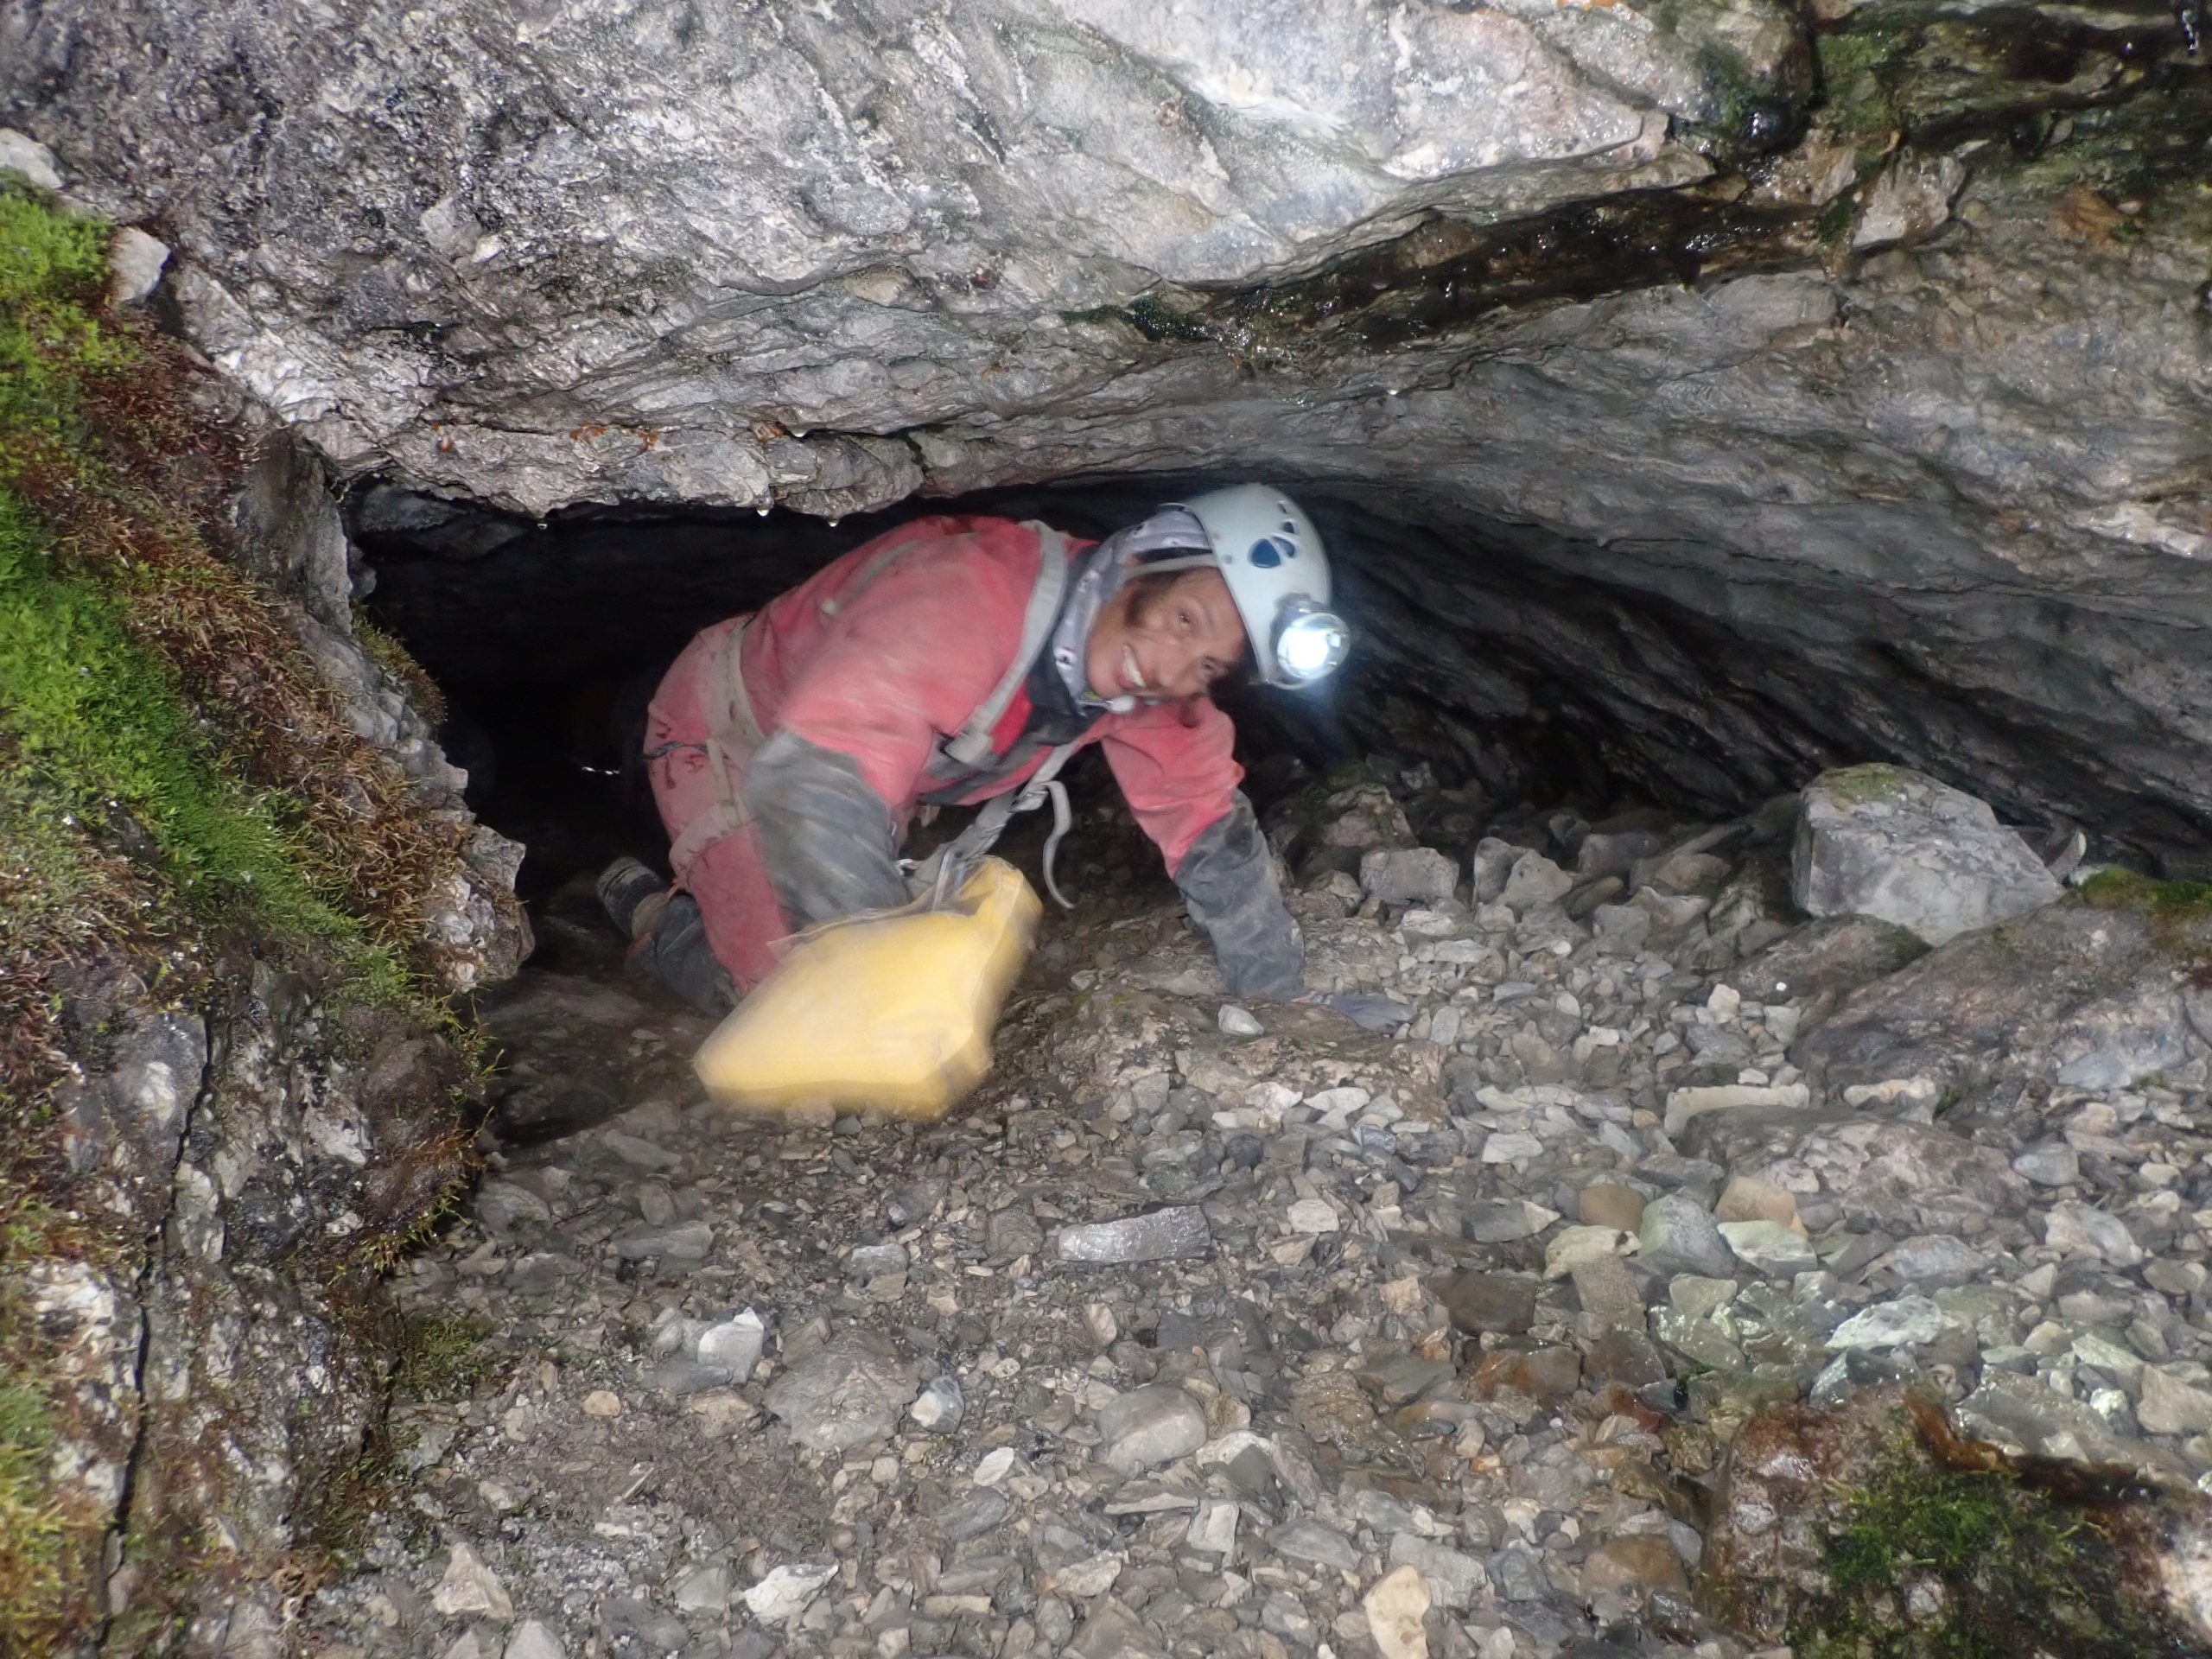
(1132, 676)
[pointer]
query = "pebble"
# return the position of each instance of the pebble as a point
(1309, 1541)
(1535, 881)
(1775, 1251)
(1150, 1425)
(1503, 1303)
(1511, 1146)
(636, 1150)
(1500, 1221)
(1679, 1236)
(1572, 1247)
(848, 1394)
(469, 1586)
(532, 1640)
(1239, 1022)
(783, 1593)
(1935, 1259)
(1094, 1576)
(1455, 1579)
(1408, 875)
(2170, 1406)
(703, 1590)
(864, 1262)
(1639, 1561)
(2053, 1163)
(1909, 1320)
(1161, 1236)
(1747, 1198)
(1314, 1216)
(1684, 1105)
(602, 1403)
(977, 1512)
(734, 1345)
(687, 1241)
(1604, 1204)
(2080, 1229)
(938, 1407)
(1213, 1528)
(1395, 1607)
(994, 1467)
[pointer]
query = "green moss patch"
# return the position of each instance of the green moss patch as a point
(182, 798)
(2163, 901)
(154, 700)
(1927, 1561)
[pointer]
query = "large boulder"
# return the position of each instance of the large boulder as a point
(2101, 992)
(1870, 1171)
(1888, 842)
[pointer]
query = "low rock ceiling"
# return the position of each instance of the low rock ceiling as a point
(1745, 387)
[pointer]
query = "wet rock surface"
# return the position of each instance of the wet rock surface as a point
(1173, 1340)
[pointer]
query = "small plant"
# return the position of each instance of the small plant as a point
(443, 1355)
(38, 1602)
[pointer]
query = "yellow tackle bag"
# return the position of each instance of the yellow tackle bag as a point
(893, 1010)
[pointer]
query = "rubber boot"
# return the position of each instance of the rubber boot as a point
(677, 954)
(627, 889)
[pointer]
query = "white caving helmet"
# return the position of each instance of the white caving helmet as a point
(1271, 555)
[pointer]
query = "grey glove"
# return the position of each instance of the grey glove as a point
(824, 834)
(1228, 882)
(1368, 1013)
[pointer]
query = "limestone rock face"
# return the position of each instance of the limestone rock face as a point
(459, 236)
(1737, 432)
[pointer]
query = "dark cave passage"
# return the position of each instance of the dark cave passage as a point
(1518, 670)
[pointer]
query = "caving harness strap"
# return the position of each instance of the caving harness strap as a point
(733, 728)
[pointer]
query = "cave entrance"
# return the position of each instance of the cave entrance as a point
(545, 640)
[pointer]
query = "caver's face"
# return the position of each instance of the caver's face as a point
(1162, 638)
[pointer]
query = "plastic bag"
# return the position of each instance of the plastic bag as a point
(893, 1010)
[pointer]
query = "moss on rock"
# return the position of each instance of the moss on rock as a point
(190, 825)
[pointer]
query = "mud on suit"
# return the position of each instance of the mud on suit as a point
(786, 793)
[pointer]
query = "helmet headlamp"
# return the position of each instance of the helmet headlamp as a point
(1310, 642)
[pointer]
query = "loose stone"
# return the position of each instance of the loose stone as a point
(1394, 1608)
(848, 1394)
(1678, 1236)
(1160, 1235)
(532, 1640)
(1907, 1320)
(938, 1407)
(1604, 1205)
(1150, 1425)
(469, 1586)
(783, 1594)
(1771, 1248)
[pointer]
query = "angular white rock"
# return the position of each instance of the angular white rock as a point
(784, 1593)
(1891, 1324)
(1394, 1608)
(469, 1586)
(1575, 1247)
